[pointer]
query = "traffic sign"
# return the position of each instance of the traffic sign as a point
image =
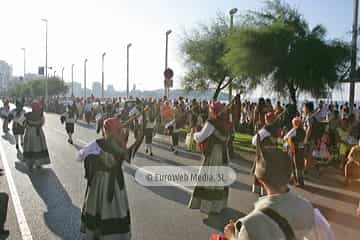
(168, 73)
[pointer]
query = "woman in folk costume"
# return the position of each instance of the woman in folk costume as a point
(18, 117)
(35, 148)
(69, 118)
(106, 212)
(5, 110)
(214, 134)
(295, 138)
(150, 117)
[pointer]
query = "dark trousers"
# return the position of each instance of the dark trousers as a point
(298, 162)
(175, 138)
(4, 200)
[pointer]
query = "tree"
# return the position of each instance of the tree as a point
(204, 50)
(276, 47)
(36, 88)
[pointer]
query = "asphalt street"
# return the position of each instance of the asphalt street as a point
(52, 198)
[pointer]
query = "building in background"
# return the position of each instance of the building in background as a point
(5, 76)
(96, 89)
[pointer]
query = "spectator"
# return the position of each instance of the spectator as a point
(281, 214)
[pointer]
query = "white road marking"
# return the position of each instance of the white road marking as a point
(23, 226)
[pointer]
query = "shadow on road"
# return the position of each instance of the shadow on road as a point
(62, 216)
(219, 221)
(331, 194)
(9, 137)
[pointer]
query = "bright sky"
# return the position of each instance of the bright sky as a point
(80, 29)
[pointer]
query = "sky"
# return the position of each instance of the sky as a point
(79, 29)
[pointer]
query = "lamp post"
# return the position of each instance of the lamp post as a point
(72, 80)
(102, 74)
(127, 75)
(167, 89)
(85, 61)
(46, 57)
(353, 55)
(232, 13)
(24, 50)
(54, 73)
(62, 74)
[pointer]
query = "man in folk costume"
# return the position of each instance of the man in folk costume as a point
(269, 132)
(69, 118)
(295, 138)
(106, 212)
(18, 117)
(212, 199)
(175, 125)
(150, 117)
(35, 148)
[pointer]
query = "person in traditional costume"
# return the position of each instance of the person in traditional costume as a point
(212, 199)
(295, 138)
(352, 167)
(69, 118)
(270, 132)
(5, 110)
(18, 117)
(35, 149)
(176, 124)
(106, 213)
(150, 117)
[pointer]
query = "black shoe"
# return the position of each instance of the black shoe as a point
(146, 151)
(172, 149)
(151, 154)
(175, 152)
(4, 233)
(70, 141)
(17, 147)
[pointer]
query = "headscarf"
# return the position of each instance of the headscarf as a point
(36, 106)
(297, 122)
(269, 117)
(216, 107)
(113, 127)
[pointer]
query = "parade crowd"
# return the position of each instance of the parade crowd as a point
(289, 142)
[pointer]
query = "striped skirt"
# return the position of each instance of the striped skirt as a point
(104, 219)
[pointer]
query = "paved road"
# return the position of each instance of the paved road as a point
(52, 198)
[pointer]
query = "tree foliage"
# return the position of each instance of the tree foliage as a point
(276, 47)
(36, 88)
(204, 50)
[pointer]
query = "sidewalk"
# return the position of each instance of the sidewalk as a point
(11, 222)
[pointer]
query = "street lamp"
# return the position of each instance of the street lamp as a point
(72, 80)
(85, 61)
(127, 75)
(102, 74)
(232, 12)
(168, 32)
(24, 49)
(62, 74)
(54, 73)
(46, 57)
